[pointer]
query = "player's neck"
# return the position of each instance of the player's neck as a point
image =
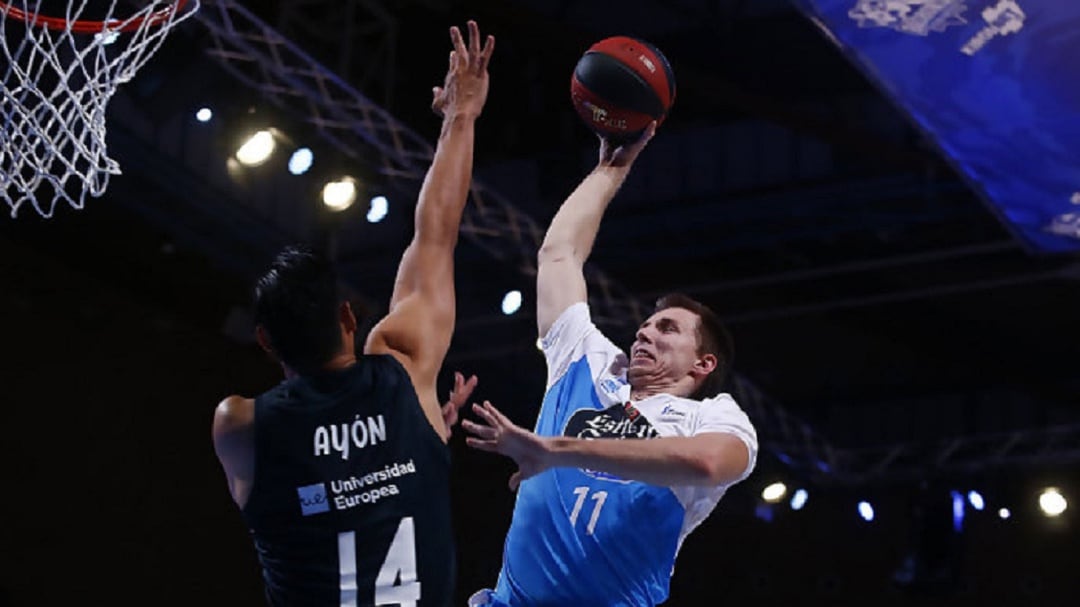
(337, 363)
(342, 360)
(674, 388)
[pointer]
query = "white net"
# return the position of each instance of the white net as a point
(59, 73)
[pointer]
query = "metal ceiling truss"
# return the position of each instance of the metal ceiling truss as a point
(264, 59)
(334, 27)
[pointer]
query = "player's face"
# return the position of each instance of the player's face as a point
(666, 346)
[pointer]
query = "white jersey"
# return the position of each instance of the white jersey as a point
(606, 540)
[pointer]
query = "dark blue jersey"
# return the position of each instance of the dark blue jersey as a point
(350, 504)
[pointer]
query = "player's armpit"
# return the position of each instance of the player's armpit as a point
(417, 333)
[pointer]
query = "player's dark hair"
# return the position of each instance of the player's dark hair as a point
(297, 302)
(712, 336)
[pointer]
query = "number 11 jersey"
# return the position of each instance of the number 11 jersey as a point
(583, 537)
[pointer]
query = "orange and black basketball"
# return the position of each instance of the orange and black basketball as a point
(620, 85)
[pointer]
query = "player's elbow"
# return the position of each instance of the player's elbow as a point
(722, 464)
(559, 254)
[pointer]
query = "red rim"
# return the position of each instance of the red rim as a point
(91, 27)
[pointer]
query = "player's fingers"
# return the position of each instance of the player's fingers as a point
(498, 415)
(515, 480)
(474, 39)
(485, 432)
(485, 414)
(470, 384)
(455, 39)
(482, 445)
(650, 130)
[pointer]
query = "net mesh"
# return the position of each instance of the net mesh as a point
(59, 75)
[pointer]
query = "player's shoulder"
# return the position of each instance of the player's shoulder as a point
(234, 412)
(723, 399)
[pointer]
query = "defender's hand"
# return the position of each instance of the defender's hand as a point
(459, 395)
(465, 89)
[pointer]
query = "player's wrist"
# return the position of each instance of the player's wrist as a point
(461, 116)
(616, 174)
(556, 452)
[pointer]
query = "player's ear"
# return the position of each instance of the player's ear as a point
(346, 317)
(704, 365)
(263, 338)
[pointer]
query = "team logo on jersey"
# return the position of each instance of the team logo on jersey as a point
(611, 385)
(617, 421)
(313, 499)
(917, 17)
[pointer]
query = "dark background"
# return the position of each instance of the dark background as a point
(872, 296)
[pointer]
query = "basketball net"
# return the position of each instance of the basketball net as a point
(60, 73)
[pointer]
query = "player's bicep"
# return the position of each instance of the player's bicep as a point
(560, 283)
(426, 268)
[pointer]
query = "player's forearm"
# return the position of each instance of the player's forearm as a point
(573, 230)
(672, 461)
(446, 186)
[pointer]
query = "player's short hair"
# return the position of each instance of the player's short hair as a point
(297, 302)
(713, 338)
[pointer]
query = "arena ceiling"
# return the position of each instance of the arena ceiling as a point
(871, 293)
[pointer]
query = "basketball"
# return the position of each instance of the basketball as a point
(620, 85)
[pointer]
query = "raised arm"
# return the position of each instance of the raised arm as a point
(560, 280)
(420, 322)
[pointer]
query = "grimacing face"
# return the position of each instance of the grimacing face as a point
(665, 348)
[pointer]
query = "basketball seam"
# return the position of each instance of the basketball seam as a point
(647, 86)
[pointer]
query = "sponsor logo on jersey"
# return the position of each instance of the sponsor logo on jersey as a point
(916, 17)
(313, 499)
(671, 410)
(617, 421)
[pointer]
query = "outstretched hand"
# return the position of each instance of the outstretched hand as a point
(625, 154)
(459, 395)
(465, 89)
(500, 435)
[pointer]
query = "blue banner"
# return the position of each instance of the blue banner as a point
(995, 83)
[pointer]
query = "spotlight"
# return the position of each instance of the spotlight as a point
(378, 209)
(774, 492)
(204, 114)
(957, 511)
(1052, 502)
(976, 500)
(866, 511)
(257, 149)
(511, 302)
(339, 195)
(798, 499)
(1004, 513)
(300, 161)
